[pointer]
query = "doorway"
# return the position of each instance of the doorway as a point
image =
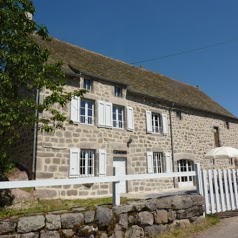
(120, 169)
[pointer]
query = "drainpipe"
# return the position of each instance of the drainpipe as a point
(172, 142)
(33, 170)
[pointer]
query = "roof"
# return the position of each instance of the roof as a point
(138, 80)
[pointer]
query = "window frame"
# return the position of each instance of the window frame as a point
(117, 91)
(157, 120)
(158, 163)
(116, 122)
(84, 156)
(87, 84)
(86, 110)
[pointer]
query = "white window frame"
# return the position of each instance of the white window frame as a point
(158, 162)
(155, 117)
(86, 155)
(86, 116)
(116, 122)
(87, 84)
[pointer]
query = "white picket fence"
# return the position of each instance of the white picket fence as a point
(115, 180)
(219, 187)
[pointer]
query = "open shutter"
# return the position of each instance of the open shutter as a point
(75, 106)
(74, 162)
(165, 123)
(130, 119)
(108, 114)
(102, 162)
(150, 162)
(168, 162)
(101, 113)
(149, 121)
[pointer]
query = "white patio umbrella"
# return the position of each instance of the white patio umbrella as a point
(222, 152)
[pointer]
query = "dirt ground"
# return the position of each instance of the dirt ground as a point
(227, 228)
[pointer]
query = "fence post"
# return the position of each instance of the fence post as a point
(198, 178)
(115, 190)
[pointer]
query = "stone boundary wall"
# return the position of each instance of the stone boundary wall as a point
(141, 218)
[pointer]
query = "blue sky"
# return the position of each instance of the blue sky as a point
(137, 30)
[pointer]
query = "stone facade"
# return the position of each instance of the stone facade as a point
(135, 219)
(192, 137)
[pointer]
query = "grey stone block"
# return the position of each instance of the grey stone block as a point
(7, 226)
(71, 219)
(103, 216)
(32, 223)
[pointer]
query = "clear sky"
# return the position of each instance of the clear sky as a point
(137, 30)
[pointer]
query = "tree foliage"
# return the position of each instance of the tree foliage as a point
(24, 71)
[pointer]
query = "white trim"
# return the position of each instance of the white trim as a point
(74, 112)
(74, 162)
(102, 168)
(150, 162)
(149, 121)
(165, 123)
(101, 113)
(130, 119)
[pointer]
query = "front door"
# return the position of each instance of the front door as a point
(120, 169)
(185, 166)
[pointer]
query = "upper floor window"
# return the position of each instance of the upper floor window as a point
(156, 122)
(118, 116)
(216, 136)
(110, 115)
(87, 84)
(86, 112)
(118, 92)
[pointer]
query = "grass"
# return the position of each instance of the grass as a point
(191, 230)
(45, 206)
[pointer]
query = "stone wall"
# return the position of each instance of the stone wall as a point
(193, 136)
(136, 219)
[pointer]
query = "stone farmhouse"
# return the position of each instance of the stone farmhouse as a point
(133, 119)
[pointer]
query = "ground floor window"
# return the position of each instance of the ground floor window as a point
(86, 163)
(158, 163)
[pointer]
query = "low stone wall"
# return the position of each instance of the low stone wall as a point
(147, 218)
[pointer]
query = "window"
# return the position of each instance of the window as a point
(158, 164)
(109, 116)
(216, 136)
(118, 92)
(86, 112)
(82, 162)
(179, 114)
(87, 84)
(118, 116)
(156, 122)
(86, 163)
(119, 152)
(227, 125)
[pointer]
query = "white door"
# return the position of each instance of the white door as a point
(185, 166)
(120, 169)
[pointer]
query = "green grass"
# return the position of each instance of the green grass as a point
(45, 206)
(191, 230)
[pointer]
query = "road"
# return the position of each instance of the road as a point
(227, 228)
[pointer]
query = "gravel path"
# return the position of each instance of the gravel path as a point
(227, 228)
